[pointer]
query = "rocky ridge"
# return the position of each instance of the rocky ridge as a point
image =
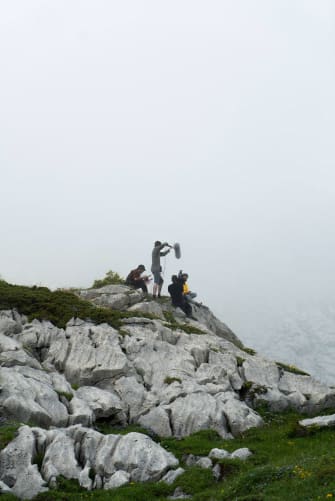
(171, 375)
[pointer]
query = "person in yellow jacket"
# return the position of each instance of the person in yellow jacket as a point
(189, 295)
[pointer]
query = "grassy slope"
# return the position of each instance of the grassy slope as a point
(56, 306)
(286, 463)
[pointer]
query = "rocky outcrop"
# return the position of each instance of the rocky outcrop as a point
(171, 375)
(79, 453)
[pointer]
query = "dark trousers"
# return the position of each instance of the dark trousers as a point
(139, 284)
(183, 305)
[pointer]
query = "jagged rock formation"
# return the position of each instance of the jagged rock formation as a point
(171, 375)
(74, 452)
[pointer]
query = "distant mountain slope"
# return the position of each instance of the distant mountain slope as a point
(304, 337)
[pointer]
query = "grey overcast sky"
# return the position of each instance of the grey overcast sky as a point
(209, 123)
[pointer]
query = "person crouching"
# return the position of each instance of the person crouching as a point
(135, 279)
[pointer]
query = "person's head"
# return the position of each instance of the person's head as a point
(141, 268)
(184, 277)
(157, 243)
(174, 279)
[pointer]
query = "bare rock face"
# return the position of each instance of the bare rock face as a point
(169, 374)
(118, 297)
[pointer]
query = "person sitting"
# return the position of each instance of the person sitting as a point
(135, 279)
(177, 296)
(189, 295)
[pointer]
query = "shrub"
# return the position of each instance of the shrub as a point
(111, 278)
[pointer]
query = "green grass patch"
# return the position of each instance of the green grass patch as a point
(239, 361)
(68, 396)
(170, 380)
(250, 351)
(69, 490)
(57, 306)
(103, 426)
(8, 433)
(199, 444)
(291, 368)
(174, 325)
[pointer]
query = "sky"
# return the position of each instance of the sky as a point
(209, 123)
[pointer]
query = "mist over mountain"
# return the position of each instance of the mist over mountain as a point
(303, 335)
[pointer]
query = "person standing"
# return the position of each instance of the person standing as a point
(156, 268)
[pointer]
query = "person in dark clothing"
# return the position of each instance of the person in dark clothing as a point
(136, 280)
(177, 297)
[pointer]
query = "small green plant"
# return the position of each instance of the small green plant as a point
(68, 396)
(38, 459)
(123, 332)
(291, 368)
(250, 351)
(174, 325)
(190, 329)
(169, 317)
(8, 432)
(111, 278)
(249, 390)
(239, 361)
(170, 380)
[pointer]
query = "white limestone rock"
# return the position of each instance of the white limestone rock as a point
(90, 354)
(118, 479)
(17, 470)
(115, 296)
(132, 394)
(60, 458)
(7, 343)
(205, 463)
(320, 421)
(205, 317)
(317, 395)
(261, 372)
(243, 454)
(13, 358)
(195, 412)
(103, 403)
(80, 412)
(148, 307)
(135, 453)
(115, 459)
(4, 488)
(84, 477)
(172, 475)
(218, 454)
(239, 415)
(217, 473)
(28, 395)
(10, 322)
(157, 420)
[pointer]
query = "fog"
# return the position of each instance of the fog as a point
(210, 124)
